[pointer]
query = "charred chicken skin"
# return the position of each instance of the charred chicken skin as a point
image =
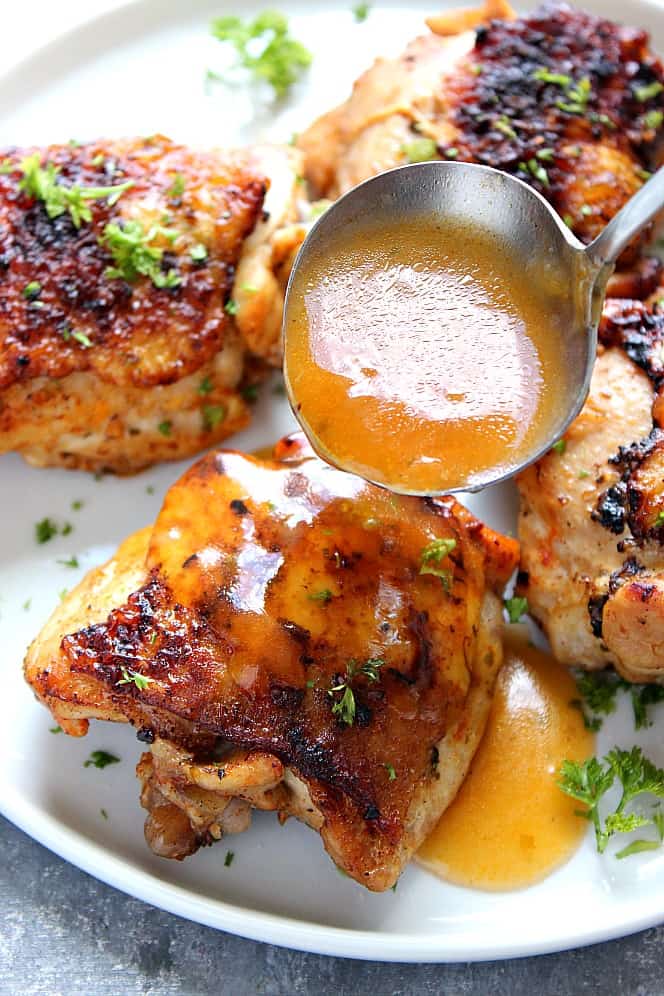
(140, 285)
(570, 103)
(291, 638)
(592, 516)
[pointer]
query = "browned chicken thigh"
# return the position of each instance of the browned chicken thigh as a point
(140, 284)
(291, 638)
(592, 511)
(569, 102)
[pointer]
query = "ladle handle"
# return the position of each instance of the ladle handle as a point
(635, 215)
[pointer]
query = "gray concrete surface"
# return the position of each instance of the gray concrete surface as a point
(64, 934)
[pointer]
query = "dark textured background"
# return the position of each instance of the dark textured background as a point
(64, 934)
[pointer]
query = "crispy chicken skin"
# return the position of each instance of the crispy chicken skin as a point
(102, 374)
(567, 101)
(591, 522)
(263, 593)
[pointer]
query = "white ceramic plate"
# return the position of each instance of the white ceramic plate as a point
(140, 70)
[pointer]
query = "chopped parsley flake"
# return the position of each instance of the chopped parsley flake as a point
(361, 12)
(323, 596)
(213, 415)
(41, 183)
(420, 150)
(70, 562)
(100, 759)
(516, 607)
(280, 59)
(198, 252)
(80, 337)
(653, 119)
(45, 530)
(344, 708)
(55, 729)
(231, 307)
(432, 554)
(165, 427)
(77, 505)
(104, 813)
(583, 474)
(27, 604)
(250, 393)
(559, 447)
(176, 189)
(205, 386)
(546, 76)
(133, 677)
(659, 520)
(32, 290)
(134, 253)
(228, 860)
(503, 125)
(643, 93)
(391, 773)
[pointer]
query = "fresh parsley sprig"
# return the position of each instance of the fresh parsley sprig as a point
(598, 693)
(589, 781)
(264, 47)
(134, 678)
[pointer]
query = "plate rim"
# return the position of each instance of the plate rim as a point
(260, 925)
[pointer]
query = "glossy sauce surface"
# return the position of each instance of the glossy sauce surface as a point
(426, 333)
(510, 825)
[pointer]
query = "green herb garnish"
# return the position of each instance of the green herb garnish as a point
(516, 607)
(559, 447)
(70, 562)
(281, 59)
(323, 596)
(198, 252)
(361, 12)
(41, 183)
(165, 427)
(391, 773)
(213, 415)
(420, 150)
(32, 290)
(176, 189)
(134, 253)
(344, 708)
(589, 781)
(45, 530)
(432, 555)
(643, 93)
(133, 677)
(228, 860)
(100, 759)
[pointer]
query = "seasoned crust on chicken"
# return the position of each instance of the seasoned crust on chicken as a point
(291, 655)
(591, 522)
(569, 102)
(100, 372)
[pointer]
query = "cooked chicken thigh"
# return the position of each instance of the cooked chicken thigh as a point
(291, 638)
(591, 522)
(141, 284)
(569, 102)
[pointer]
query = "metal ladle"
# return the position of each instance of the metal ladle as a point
(551, 256)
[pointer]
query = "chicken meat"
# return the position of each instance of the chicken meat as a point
(141, 289)
(288, 637)
(569, 102)
(591, 521)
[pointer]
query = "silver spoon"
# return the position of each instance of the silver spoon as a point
(551, 256)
